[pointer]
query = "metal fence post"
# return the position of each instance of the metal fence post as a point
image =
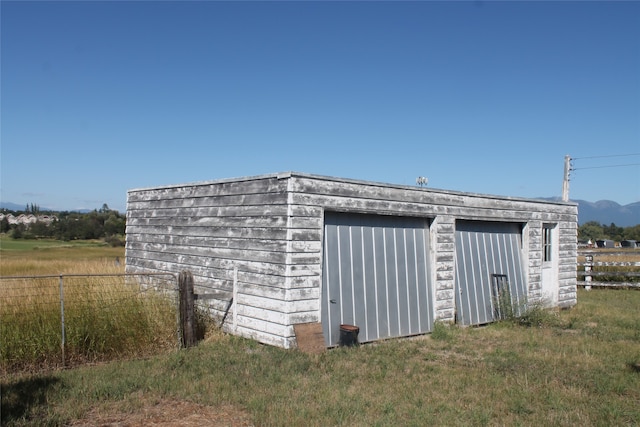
(62, 344)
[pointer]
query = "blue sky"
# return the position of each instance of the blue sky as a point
(488, 97)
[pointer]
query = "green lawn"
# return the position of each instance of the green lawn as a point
(9, 244)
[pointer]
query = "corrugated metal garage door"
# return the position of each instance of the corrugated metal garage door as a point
(375, 276)
(489, 273)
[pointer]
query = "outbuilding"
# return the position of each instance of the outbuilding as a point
(605, 243)
(391, 260)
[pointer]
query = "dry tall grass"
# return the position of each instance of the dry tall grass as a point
(106, 314)
(65, 259)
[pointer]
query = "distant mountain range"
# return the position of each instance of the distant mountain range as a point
(15, 207)
(607, 212)
(603, 211)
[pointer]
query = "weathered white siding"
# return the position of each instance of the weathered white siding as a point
(568, 259)
(212, 228)
(270, 228)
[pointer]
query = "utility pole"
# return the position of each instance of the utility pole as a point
(565, 182)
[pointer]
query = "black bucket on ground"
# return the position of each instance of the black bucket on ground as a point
(349, 335)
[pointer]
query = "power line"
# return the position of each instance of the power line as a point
(609, 166)
(568, 168)
(610, 155)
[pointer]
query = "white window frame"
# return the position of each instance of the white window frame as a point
(548, 236)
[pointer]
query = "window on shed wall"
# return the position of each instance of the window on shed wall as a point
(547, 242)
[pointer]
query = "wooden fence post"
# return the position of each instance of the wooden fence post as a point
(187, 309)
(588, 265)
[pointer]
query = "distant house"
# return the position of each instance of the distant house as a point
(297, 248)
(605, 243)
(27, 219)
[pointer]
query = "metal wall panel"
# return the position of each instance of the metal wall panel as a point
(488, 254)
(375, 276)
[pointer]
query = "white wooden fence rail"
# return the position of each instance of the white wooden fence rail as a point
(589, 274)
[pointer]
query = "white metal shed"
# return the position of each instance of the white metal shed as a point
(390, 259)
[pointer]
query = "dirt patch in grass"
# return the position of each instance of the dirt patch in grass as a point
(166, 413)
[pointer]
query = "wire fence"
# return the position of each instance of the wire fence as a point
(58, 320)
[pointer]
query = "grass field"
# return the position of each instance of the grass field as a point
(577, 367)
(9, 244)
(567, 368)
(107, 316)
(37, 257)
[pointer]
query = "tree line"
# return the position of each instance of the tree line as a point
(108, 224)
(593, 231)
(103, 223)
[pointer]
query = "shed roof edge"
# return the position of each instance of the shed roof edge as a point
(291, 174)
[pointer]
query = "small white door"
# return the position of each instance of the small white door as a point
(550, 264)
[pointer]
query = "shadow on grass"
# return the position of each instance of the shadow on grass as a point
(21, 400)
